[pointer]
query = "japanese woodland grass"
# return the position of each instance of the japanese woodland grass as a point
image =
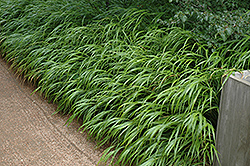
(151, 93)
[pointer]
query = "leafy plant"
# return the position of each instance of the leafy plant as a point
(149, 89)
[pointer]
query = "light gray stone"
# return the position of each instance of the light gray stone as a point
(233, 129)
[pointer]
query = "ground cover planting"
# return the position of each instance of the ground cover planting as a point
(139, 74)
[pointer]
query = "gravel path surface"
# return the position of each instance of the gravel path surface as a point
(29, 135)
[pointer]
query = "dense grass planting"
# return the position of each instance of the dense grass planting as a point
(138, 74)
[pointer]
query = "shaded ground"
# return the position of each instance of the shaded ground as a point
(29, 135)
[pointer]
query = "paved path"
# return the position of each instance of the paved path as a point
(30, 136)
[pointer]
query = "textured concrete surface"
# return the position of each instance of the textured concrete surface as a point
(233, 130)
(29, 135)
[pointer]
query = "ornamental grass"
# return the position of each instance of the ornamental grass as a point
(150, 91)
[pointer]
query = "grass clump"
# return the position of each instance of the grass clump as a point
(151, 91)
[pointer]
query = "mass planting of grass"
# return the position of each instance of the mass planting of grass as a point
(149, 90)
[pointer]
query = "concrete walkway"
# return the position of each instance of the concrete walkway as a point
(30, 136)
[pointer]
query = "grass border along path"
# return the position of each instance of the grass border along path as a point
(150, 91)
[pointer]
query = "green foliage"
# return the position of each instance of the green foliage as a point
(148, 88)
(212, 21)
